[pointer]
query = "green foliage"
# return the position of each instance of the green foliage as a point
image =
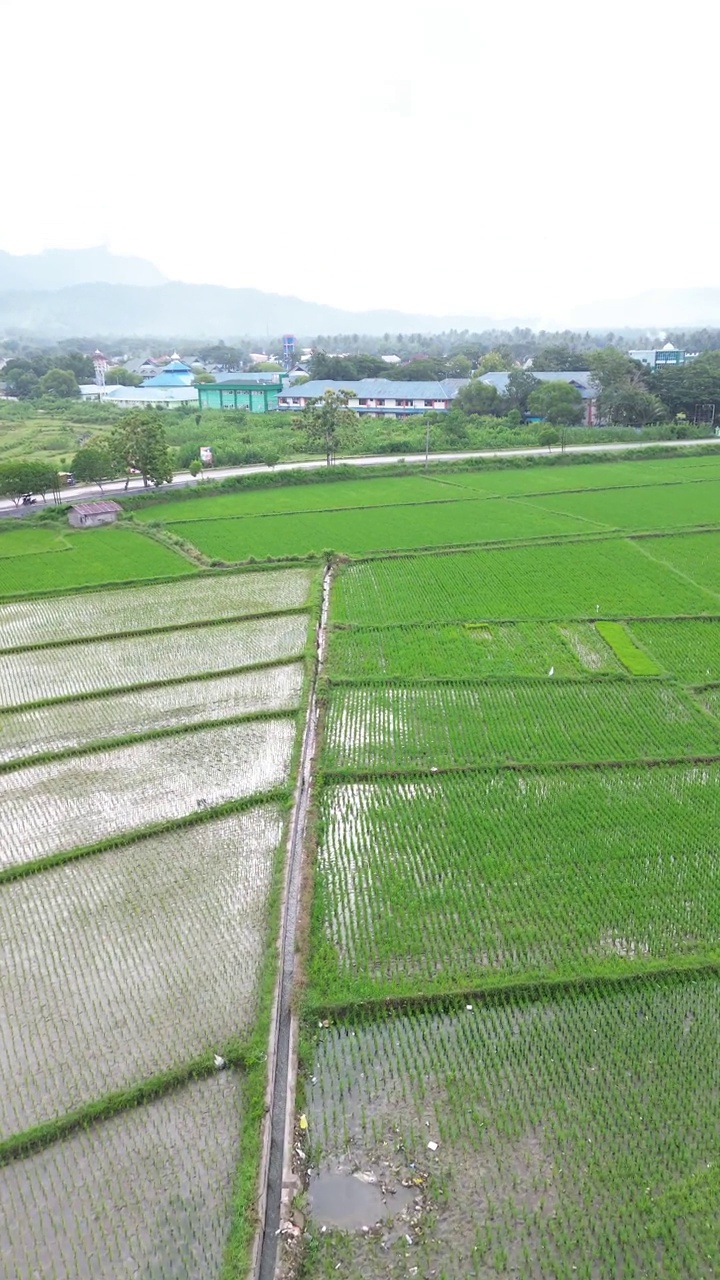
(138, 443)
(18, 478)
(558, 403)
(59, 382)
(329, 424)
(560, 358)
(93, 464)
(479, 397)
(520, 386)
(121, 377)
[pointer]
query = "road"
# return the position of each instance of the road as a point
(183, 478)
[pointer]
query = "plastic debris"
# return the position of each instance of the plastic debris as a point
(303, 1121)
(365, 1177)
(469, 1008)
(219, 1062)
(432, 1146)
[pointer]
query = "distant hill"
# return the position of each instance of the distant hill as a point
(61, 268)
(198, 310)
(655, 309)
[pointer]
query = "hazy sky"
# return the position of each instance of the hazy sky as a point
(432, 155)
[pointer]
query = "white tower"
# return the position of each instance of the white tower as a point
(101, 365)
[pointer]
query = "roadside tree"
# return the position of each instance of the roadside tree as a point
(557, 402)
(329, 424)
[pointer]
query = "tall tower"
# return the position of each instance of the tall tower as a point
(288, 350)
(101, 366)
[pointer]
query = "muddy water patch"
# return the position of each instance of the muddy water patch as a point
(359, 1200)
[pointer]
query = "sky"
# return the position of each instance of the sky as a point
(437, 156)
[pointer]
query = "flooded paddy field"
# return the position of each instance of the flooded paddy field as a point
(559, 1135)
(167, 604)
(69, 803)
(117, 967)
(65, 725)
(38, 675)
(146, 1193)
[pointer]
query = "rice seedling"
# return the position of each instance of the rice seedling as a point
(70, 726)
(471, 649)
(62, 805)
(632, 658)
(691, 558)
(664, 507)
(689, 649)
(126, 610)
(383, 727)
(132, 962)
(460, 882)
(147, 1192)
(577, 1133)
(38, 675)
(570, 580)
(92, 556)
(356, 531)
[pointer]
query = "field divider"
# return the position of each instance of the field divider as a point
(128, 839)
(331, 777)
(137, 633)
(111, 1104)
(425, 624)
(96, 695)
(145, 735)
(507, 990)
(597, 488)
(466, 495)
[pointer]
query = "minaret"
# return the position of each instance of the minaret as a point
(101, 364)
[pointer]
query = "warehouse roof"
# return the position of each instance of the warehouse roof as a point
(371, 389)
(96, 508)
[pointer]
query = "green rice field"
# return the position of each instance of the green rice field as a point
(509, 933)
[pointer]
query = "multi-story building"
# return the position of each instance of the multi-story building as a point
(375, 397)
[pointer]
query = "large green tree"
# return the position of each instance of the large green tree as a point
(138, 443)
(328, 423)
(479, 397)
(119, 376)
(59, 382)
(557, 402)
(690, 386)
(19, 478)
(94, 464)
(520, 386)
(630, 404)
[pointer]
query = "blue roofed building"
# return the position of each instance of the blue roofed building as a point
(175, 374)
(581, 381)
(375, 397)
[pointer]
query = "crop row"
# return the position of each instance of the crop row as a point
(694, 557)
(577, 1134)
(666, 507)
(37, 675)
(147, 1192)
(470, 649)
(357, 531)
(610, 577)
(72, 726)
(131, 609)
(386, 727)
(132, 962)
(690, 650)
(97, 557)
(69, 803)
(460, 881)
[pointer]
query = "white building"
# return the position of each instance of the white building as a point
(374, 397)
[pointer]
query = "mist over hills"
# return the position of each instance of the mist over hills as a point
(63, 293)
(61, 268)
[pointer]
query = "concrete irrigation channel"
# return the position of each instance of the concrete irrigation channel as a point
(276, 1185)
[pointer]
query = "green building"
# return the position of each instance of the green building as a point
(240, 393)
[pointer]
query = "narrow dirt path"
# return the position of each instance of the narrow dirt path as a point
(282, 1066)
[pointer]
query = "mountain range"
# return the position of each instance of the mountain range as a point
(65, 293)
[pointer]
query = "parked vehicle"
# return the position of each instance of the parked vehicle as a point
(27, 499)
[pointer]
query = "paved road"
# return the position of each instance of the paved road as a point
(183, 478)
